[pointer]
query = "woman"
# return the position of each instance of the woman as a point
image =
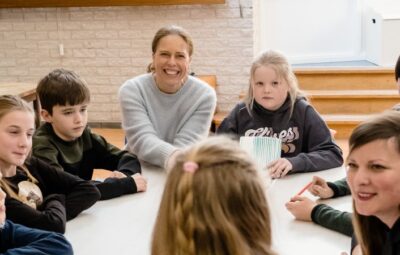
(166, 110)
(373, 174)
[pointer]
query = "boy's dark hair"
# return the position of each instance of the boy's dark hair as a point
(62, 87)
(397, 69)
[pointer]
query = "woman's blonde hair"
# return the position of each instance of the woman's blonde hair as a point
(218, 209)
(384, 126)
(279, 63)
(9, 104)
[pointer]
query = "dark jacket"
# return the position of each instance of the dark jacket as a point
(16, 239)
(306, 140)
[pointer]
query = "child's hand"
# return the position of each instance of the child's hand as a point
(320, 188)
(117, 174)
(301, 207)
(141, 182)
(279, 168)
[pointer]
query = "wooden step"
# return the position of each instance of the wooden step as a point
(344, 123)
(345, 79)
(352, 101)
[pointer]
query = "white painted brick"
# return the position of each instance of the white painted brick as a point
(120, 25)
(228, 13)
(45, 26)
(81, 15)
(6, 15)
(106, 34)
(14, 35)
(83, 35)
(25, 44)
(94, 44)
(7, 62)
(107, 53)
(27, 62)
(23, 26)
(95, 62)
(5, 26)
(34, 16)
(119, 44)
(105, 15)
(35, 35)
(37, 53)
(84, 53)
(93, 25)
(7, 44)
(59, 35)
(108, 71)
(119, 62)
(17, 71)
(70, 25)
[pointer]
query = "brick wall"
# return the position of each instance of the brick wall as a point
(108, 45)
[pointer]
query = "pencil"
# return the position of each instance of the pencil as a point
(304, 189)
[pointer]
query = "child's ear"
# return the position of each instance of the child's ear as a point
(45, 115)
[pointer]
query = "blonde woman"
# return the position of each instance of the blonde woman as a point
(213, 203)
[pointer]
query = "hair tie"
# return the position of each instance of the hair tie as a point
(190, 166)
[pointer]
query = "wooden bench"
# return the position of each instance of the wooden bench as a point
(26, 91)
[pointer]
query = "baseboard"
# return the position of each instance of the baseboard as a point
(105, 124)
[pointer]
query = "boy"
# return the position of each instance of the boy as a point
(66, 142)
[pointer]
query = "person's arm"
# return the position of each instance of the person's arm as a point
(19, 239)
(79, 194)
(198, 124)
(319, 152)
(333, 219)
(340, 188)
(115, 187)
(112, 158)
(142, 138)
(50, 216)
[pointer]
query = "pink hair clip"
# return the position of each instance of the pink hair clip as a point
(190, 166)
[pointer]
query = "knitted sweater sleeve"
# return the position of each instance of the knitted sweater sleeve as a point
(198, 123)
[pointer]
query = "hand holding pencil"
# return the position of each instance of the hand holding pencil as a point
(320, 188)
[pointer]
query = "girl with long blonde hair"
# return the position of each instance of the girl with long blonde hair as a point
(213, 203)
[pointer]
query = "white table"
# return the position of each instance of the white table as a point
(296, 237)
(124, 225)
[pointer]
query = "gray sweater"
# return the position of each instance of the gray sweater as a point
(156, 124)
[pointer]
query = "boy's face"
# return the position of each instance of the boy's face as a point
(68, 121)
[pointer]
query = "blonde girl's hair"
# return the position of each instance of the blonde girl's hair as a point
(9, 104)
(279, 63)
(218, 209)
(384, 126)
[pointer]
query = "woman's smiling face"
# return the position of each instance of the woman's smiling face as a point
(171, 63)
(373, 174)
